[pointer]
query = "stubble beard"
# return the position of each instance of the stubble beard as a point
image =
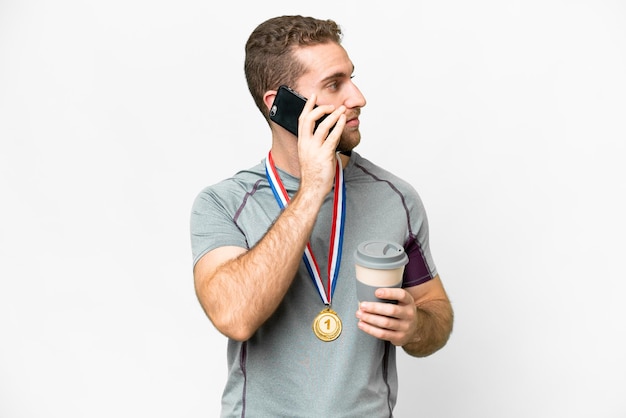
(349, 140)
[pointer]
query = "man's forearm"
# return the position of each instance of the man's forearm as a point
(434, 319)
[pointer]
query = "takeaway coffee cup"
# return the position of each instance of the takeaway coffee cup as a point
(378, 264)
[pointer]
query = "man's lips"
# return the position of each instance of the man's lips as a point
(352, 123)
(352, 120)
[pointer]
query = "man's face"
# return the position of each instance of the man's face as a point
(329, 75)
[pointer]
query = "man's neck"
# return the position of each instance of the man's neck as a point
(287, 160)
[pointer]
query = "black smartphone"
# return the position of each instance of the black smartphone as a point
(287, 106)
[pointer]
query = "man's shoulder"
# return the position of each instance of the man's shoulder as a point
(239, 179)
(232, 188)
(365, 167)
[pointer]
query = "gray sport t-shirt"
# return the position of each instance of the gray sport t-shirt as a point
(284, 370)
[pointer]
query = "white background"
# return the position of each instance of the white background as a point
(507, 116)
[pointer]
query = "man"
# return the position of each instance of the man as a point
(250, 274)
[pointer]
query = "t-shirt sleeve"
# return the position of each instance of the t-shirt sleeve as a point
(212, 225)
(421, 267)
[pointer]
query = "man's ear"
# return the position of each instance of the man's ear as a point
(268, 99)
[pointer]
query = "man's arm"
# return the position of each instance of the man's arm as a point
(434, 316)
(421, 322)
(240, 289)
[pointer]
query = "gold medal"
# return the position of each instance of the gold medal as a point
(327, 325)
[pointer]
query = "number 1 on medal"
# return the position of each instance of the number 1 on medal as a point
(333, 327)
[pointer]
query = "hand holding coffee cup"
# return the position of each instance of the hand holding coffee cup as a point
(378, 264)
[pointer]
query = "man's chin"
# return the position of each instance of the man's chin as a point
(348, 142)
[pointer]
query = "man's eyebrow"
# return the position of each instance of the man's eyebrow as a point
(338, 74)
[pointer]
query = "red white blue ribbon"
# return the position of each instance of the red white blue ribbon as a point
(336, 234)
